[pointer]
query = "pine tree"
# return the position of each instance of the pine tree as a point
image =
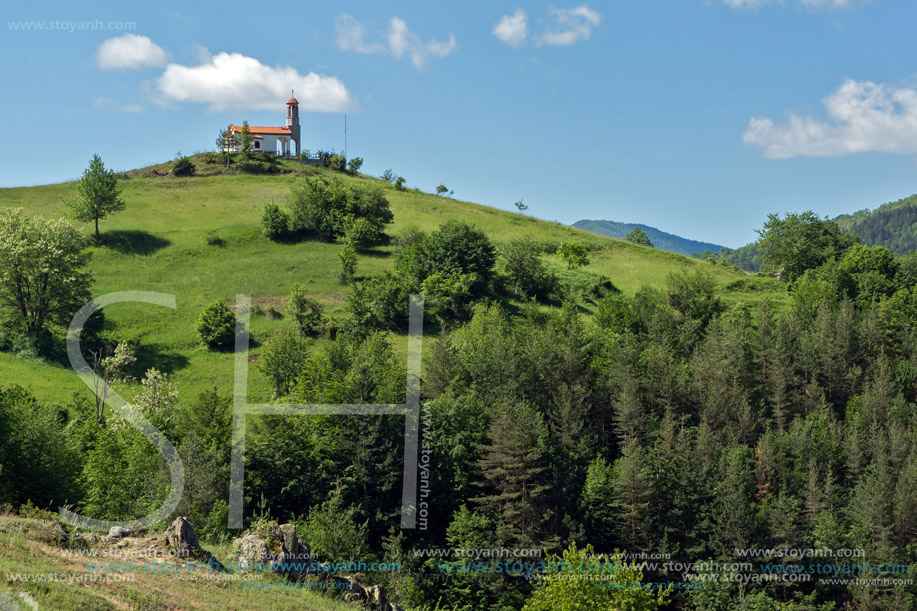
(598, 498)
(631, 485)
(513, 472)
(245, 140)
(629, 415)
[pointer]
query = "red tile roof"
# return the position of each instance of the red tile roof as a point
(264, 131)
(293, 101)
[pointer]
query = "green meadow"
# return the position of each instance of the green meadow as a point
(200, 239)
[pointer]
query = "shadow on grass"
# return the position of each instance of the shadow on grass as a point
(133, 242)
(154, 355)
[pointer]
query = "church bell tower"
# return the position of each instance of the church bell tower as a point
(293, 121)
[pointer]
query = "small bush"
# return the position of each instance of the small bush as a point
(334, 530)
(399, 183)
(337, 162)
(215, 240)
(388, 176)
(183, 167)
(283, 359)
(347, 264)
(274, 221)
(526, 274)
(308, 313)
(355, 164)
(449, 296)
(360, 234)
(216, 326)
(381, 302)
(574, 253)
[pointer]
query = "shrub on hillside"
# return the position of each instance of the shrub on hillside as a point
(448, 296)
(216, 326)
(381, 302)
(347, 264)
(355, 164)
(457, 248)
(359, 234)
(337, 162)
(574, 253)
(183, 167)
(282, 360)
(307, 312)
(524, 273)
(327, 208)
(274, 222)
(40, 464)
(452, 267)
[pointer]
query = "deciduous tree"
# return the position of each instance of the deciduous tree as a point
(98, 194)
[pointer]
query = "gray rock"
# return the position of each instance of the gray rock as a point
(280, 546)
(375, 596)
(119, 532)
(355, 588)
(181, 535)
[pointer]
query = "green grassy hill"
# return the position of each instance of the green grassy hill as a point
(200, 239)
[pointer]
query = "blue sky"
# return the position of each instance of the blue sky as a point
(699, 117)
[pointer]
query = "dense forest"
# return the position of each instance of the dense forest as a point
(704, 435)
(893, 225)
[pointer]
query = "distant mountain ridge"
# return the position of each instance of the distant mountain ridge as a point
(660, 239)
(893, 225)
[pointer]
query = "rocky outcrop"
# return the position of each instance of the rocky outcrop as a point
(119, 532)
(182, 536)
(271, 548)
(277, 551)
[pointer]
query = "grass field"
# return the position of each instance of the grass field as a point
(33, 562)
(160, 243)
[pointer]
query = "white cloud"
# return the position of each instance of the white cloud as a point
(129, 51)
(351, 36)
(399, 41)
(570, 26)
(812, 5)
(232, 80)
(512, 29)
(862, 116)
(107, 104)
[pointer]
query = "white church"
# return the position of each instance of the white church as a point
(283, 141)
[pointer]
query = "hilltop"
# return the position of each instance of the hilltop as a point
(200, 238)
(659, 238)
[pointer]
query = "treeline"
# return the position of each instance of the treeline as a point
(893, 225)
(747, 258)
